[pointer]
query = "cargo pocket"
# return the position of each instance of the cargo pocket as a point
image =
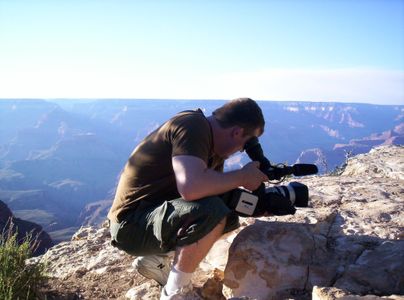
(187, 222)
(155, 226)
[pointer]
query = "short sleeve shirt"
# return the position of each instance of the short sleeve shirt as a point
(149, 176)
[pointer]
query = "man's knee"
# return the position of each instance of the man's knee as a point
(222, 223)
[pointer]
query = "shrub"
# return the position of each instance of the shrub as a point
(17, 279)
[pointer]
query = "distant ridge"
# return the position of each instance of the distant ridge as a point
(42, 241)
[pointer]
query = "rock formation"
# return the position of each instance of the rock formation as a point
(350, 238)
(348, 244)
(41, 240)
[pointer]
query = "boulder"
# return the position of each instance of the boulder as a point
(350, 238)
(332, 293)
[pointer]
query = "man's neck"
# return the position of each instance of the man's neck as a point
(220, 134)
(215, 127)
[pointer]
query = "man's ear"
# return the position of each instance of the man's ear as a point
(238, 131)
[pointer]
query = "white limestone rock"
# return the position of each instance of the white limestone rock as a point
(386, 162)
(351, 237)
(145, 291)
(331, 293)
(88, 251)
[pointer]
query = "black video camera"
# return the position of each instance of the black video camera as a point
(278, 200)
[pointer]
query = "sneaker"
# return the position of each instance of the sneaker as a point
(185, 293)
(155, 267)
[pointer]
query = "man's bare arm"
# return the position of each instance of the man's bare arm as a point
(195, 180)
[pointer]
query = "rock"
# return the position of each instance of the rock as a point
(331, 293)
(212, 288)
(89, 267)
(276, 257)
(89, 251)
(379, 270)
(83, 233)
(350, 238)
(387, 162)
(146, 291)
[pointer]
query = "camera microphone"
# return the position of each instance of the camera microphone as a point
(279, 171)
(304, 169)
(255, 152)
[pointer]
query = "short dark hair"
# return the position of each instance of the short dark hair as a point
(243, 112)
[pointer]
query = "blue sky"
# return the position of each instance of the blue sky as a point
(337, 50)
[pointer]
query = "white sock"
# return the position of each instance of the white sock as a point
(176, 280)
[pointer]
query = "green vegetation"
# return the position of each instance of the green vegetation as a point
(18, 280)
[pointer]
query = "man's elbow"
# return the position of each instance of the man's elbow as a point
(188, 193)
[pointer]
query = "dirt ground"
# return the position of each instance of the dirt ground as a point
(109, 285)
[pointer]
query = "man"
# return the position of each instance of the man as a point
(168, 196)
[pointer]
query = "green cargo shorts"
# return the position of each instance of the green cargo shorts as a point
(175, 223)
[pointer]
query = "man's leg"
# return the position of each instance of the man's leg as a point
(187, 259)
(189, 227)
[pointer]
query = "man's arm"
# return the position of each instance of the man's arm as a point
(195, 180)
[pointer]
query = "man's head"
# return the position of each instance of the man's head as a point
(238, 120)
(242, 112)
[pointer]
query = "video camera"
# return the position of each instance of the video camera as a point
(278, 200)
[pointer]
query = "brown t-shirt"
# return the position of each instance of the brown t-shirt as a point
(149, 176)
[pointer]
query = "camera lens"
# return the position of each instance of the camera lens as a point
(296, 192)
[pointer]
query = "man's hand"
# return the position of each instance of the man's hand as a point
(252, 176)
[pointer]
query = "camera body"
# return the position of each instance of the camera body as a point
(277, 200)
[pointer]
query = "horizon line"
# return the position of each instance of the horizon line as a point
(184, 99)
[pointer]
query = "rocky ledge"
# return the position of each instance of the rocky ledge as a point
(348, 244)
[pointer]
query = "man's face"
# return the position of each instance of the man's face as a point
(235, 141)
